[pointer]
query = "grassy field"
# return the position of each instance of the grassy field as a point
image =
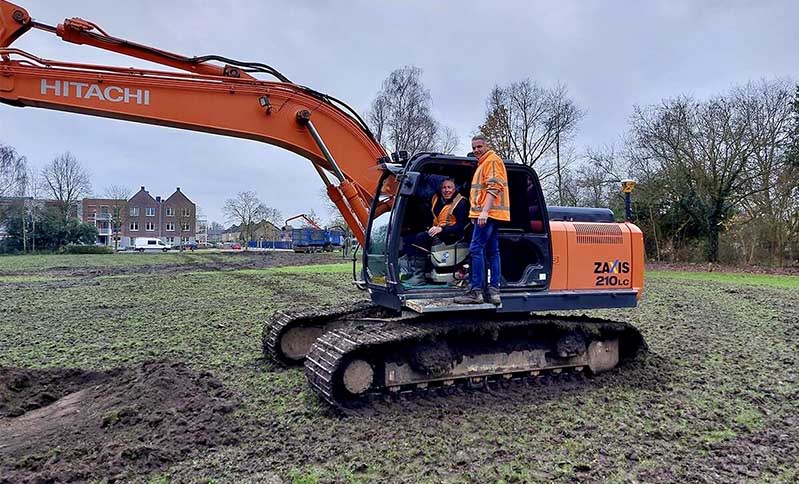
(715, 400)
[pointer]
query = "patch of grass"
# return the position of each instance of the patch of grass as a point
(344, 268)
(35, 263)
(24, 279)
(716, 436)
(305, 476)
(749, 418)
(787, 282)
(158, 479)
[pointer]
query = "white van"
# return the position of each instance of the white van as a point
(150, 243)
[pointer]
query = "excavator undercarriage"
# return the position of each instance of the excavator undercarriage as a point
(356, 352)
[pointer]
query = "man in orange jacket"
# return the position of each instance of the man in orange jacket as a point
(450, 216)
(490, 205)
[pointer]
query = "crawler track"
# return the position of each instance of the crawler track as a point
(310, 324)
(359, 359)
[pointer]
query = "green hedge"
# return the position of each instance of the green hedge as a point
(86, 249)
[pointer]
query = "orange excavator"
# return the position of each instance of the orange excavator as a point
(408, 338)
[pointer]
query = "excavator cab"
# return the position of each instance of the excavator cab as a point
(525, 246)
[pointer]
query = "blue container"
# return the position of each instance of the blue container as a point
(335, 237)
(309, 239)
(269, 244)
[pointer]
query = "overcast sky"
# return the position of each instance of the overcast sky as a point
(610, 54)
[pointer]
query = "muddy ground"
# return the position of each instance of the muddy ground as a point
(715, 399)
(76, 425)
(175, 263)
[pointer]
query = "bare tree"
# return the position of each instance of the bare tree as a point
(273, 215)
(401, 117)
(793, 155)
(528, 123)
(313, 218)
(66, 181)
(562, 190)
(248, 212)
(118, 197)
(597, 181)
(713, 155)
(772, 209)
(447, 140)
(12, 171)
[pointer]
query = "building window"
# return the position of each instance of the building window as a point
(170, 240)
(186, 227)
(149, 226)
(186, 212)
(170, 212)
(134, 212)
(170, 227)
(134, 226)
(184, 240)
(104, 210)
(150, 211)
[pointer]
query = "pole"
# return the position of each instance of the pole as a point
(627, 187)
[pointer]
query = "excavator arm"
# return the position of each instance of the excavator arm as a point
(206, 97)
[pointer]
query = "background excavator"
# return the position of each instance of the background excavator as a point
(406, 338)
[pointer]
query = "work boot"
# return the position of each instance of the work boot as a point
(493, 296)
(417, 267)
(472, 296)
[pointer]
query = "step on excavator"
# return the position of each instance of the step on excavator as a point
(407, 338)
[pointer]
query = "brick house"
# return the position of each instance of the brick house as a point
(173, 220)
(264, 230)
(98, 212)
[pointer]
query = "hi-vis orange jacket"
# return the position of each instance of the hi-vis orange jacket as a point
(446, 216)
(490, 177)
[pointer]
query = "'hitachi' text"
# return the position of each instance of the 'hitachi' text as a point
(83, 90)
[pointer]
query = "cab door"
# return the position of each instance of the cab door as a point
(379, 256)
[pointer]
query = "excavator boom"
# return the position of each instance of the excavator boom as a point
(207, 97)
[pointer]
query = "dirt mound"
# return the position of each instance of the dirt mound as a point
(64, 425)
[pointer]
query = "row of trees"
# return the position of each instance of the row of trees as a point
(718, 178)
(63, 180)
(721, 165)
(42, 230)
(524, 121)
(30, 224)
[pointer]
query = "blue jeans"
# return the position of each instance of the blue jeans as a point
(485, 248)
